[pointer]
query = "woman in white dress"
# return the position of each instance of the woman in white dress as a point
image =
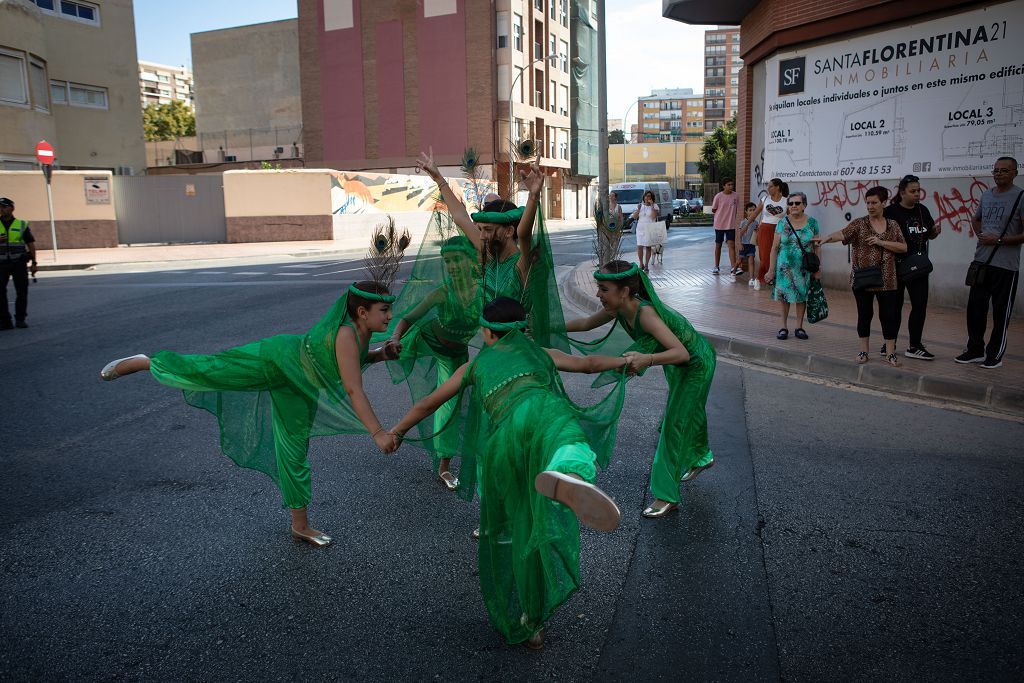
(650, 230)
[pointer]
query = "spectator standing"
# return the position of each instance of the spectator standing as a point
(747, 234)
(17, 251)
(794, 235)
(770, 210)
(998, 224)
(876, 240)
(615, 221)
(650, 231)
(725, 206)
(918, 229)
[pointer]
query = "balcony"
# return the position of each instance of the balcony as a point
(711, 81)
(714, 113)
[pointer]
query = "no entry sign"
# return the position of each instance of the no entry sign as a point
(44, 152)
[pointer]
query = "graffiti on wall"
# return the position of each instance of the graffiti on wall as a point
(952, 204)
(358, 193)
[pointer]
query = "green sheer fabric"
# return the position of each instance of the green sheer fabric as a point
(521, 422)
(684, 435)
(270, 397)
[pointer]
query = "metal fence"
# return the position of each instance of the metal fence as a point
(165, 209)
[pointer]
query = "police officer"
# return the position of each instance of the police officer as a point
(17, 250)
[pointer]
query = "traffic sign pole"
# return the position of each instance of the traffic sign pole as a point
(46, 155)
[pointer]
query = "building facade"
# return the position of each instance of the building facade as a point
(671, 162)
(383, 81)
(68, 74)
(722, 64)
(664, 114)
(836, 98)
(163, 84)
(247, 98)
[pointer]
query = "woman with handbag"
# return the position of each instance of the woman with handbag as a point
(793, 262)
(918, 228)
(875, 240)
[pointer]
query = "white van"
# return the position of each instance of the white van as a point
(632, 194)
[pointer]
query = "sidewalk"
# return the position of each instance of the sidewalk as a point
(742, 323)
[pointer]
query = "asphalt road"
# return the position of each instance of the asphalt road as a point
(841, 535)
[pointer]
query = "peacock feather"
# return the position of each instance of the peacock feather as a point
(384, 257)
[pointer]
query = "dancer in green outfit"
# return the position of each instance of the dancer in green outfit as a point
(536, 447)
(515, 255)
(433, 335)
(661, 336)
(272, 395)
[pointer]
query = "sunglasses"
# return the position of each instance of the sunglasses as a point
(795, 203)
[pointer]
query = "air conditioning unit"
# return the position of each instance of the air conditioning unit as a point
(279, 150)
(124, 170)
(230, 157)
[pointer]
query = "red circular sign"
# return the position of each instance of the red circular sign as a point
(44, 152)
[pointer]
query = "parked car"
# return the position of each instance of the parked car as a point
(680, 207)
(696, 205)
(631, 194)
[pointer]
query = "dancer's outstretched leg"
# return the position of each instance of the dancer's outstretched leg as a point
(124, 366)
(568, 478)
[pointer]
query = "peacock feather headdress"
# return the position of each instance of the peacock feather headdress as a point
(384, 257)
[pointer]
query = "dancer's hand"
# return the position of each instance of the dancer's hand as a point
(385, 441)
(534, 180)
(391, 349)
(426, 164)
(635, 362)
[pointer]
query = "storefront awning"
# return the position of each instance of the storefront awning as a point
(725, 12)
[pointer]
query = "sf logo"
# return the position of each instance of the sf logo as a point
(791, 75)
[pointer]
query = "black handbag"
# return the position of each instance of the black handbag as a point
(976, 271)
(915, 264)
(867, 278)
(811, 263)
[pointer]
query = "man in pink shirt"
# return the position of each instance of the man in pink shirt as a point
(725, 206)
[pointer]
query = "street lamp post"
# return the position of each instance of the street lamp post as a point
(511, 142)
(625, 137)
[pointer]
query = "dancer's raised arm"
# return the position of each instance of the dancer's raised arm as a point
(455, 206)
(534, 182)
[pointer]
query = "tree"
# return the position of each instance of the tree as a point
(168, 121)
(616, 137)
(718, 155)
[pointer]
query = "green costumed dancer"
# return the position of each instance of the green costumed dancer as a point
(661, 336)
(535, 447)
(272, 395)
(515, 255)
(439, 314)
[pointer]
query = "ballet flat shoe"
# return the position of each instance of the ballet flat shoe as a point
(109, 372)
(476, 534)
(450, 482)
(654, 513)
(536, 641)
(318, 540)
(592, 506)
(692, 473)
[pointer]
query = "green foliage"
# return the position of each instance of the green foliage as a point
(616, 137)
(718, 155)
(267, 166)
(168, 121)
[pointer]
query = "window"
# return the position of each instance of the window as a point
(563, 56)
(163, 78)
(539, 4)
(551, 7)
(40, 83)
(44, 4)
(734, 81)
(517, 31)
(564, 103)
(553, 46)
(87, 96)
(538, 51)
(734, 102)
(82, 11)
(564, 18)
(13, 78)
(59, 92)
(552, 97)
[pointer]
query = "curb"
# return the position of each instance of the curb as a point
(1001, 399)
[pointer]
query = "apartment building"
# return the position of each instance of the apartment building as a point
(665, 113)
(162, 84)
(68, 74)
(722, 65)
(383, 81)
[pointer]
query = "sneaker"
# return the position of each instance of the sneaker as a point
(893, 360)
(714, 271)
(968, 357)
(881, 351)
(991, 363)
(919, 352)
(757, 285)
(750, 282)
(738, 271)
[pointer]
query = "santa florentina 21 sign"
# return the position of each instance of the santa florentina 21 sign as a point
(941, 98)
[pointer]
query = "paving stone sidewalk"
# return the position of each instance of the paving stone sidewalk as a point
(742, 324)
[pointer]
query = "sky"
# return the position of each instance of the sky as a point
(645, 51)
